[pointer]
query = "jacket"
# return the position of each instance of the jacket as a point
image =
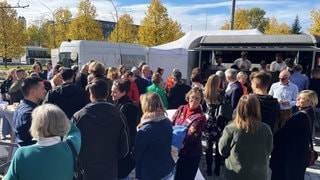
(159, 90)
(69, 97)
(104, 137)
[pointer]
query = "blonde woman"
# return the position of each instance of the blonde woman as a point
(50, 158)
(246, 143)
(290, 155)
(152, 148)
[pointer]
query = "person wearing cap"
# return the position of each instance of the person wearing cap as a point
(243, 63)
(177, 93)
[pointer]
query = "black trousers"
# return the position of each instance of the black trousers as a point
(187, 167)
(209, 157)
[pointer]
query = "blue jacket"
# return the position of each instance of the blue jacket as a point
(152, 150)
(22, 122)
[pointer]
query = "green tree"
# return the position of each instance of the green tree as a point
(157, 28)
(124, 31)
(37, 34)
(257, 20)
(84, 26)
(315, 22)
(248, 19)
(296, 28)
(12, 33)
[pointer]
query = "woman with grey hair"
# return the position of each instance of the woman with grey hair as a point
(50, 158)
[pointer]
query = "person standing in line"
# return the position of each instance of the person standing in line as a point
(213, 128)
(146, 73)
(290, 155)
(243, 63)
(141, 82)
(177, 92)
(278, 64)
(122, 101)
(104, 134)
(315, 86)
(286, 93)
(234, 89)
(81, 77)
(50, 158)
(269, 106)
(69, 97)
(34, 92)
(156, 87)
(191, 151)
(133, 92)
(301, 80)
(152, 147)
(246, 143)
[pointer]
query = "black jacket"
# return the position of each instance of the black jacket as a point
(104, 139)
(69, 97)
(176, 95)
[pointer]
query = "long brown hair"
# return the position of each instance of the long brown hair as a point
(248, 113)
(211, 93)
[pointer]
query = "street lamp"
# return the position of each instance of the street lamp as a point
(53, 22)
(116, 11)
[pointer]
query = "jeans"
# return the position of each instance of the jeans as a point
(6, 127)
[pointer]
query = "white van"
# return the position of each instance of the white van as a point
(80, 52)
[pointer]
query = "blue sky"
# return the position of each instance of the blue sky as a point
(191, 14)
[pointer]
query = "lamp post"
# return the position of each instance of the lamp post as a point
(232, 14)
(53, 23)
(116, 11)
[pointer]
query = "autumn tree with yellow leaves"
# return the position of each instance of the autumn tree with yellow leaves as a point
(84, 26)
(157, 27)
(12, 33)
(124, 31)
(274, 28)
(315, 22)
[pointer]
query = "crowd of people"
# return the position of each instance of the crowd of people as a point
(116, 119)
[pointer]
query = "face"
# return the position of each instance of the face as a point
(40, 91)
(115, 93)
(242, 80)
(279, 58)
(283, 78)
(194, 100)
(302, 101)
(146, 72)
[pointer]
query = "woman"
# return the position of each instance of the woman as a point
(122, 101)
(152, 148)
(290, 156)
(51, 157)
(157, 88)
(246, 142)
(134, 92)
(190, 153)
(213, 128)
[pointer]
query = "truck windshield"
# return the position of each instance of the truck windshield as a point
(66, 60)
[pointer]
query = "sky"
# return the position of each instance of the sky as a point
(193, 15)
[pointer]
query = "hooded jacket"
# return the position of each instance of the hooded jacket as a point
(104, 139)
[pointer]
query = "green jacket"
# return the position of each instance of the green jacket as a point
(159, 90)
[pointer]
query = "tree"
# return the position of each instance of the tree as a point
(124, 31)
(157, 28)
(12, 33)
(84, 26)
(63, 19)
(296, 28)
(37, 34)
(315, 22)
(274, 28)
(257, 20)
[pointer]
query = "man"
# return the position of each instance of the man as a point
(234, 89)
(141, 82)
(69, 97)
(146, 73)
(81, 78)
(278, 64)
(315, 86)
(15, 89)
(48, 73)
(286, 93)
(299, 79)
(104, 134)
(243, 63)
(270, 108)
(34, 92)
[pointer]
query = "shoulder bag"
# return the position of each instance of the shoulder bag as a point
(79, 172)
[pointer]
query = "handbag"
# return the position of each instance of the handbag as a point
(313, 155)
(224, 110)
(79, 172)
